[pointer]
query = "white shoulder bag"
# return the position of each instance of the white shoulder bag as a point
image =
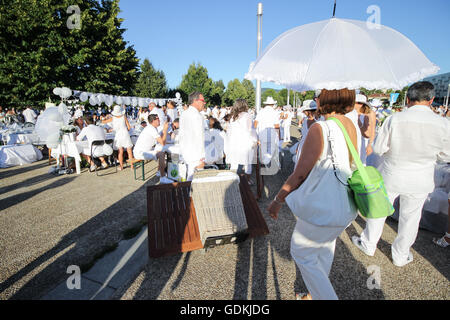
(322, 199)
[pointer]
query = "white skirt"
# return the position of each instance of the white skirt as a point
(122, 140)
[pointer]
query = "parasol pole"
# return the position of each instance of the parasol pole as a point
(334, 9)
(259, 41)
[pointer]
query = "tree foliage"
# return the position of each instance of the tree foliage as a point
(196, 79)
(151, 83)
(40, 51)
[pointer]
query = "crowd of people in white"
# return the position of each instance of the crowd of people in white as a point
(404, 144)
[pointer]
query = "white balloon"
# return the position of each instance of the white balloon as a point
(177, 95)
(57, 91)
(65, 92)
(148, 101)
(119, 100)
(93, 100)
(101, 97)
(127, 101)
(109, 101)
(84, 96)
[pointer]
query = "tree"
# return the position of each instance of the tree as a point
(235, 90)
(269, 93)
(250, 92)
(217, 93)
(151, 83)
(197, 79)
(40, 50)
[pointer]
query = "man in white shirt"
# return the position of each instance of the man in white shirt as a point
(29, 115)
(92, 133)
(160, 113)
(146, 143)
(192, 134)
(267, 124)
(410, 143)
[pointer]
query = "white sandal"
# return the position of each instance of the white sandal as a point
(441, 242)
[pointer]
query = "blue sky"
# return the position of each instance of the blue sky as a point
(221, 35)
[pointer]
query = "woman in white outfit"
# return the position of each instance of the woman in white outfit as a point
(122, 138)
(314, 237)
(240, 139)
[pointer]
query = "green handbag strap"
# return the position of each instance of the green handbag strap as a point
(355, 155)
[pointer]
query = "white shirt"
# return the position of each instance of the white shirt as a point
(192, 135)
(29, 115)
(146, 141)
(410, 143)
(92, 133)
(172, 114)
(267, 117)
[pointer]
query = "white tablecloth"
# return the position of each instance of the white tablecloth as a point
(21, 138)
(18, 155)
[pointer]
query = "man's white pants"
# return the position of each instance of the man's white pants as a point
(408, 226)
(312, 248)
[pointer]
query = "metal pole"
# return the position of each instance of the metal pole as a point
(448, 91)
(259, 42)
(288, 96)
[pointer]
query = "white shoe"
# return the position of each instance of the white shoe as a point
(404, 263)
(104, 165)
(92, 168)
(158, 174)
(165, 180)
(358, 243)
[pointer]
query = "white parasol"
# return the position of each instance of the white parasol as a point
(341, 53)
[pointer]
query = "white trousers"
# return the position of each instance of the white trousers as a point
(287, 133)
(408, 226)
(312, 248)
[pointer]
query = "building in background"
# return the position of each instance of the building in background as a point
(440, 82)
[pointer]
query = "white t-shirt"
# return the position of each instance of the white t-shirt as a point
(29, 115)
(92, 133)
(146, 141)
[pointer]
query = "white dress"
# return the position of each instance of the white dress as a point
(122, 137)
(240, 140)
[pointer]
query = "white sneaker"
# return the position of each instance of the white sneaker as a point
(158, 174)
(92, 168)
(165, 180)
(104, 165)
(403, 263)
(357, 242)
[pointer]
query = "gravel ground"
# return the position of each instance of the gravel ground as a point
(49, 222)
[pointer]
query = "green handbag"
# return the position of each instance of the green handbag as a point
(367, 185)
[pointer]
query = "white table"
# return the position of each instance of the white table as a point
(21, 138)
(18, 155)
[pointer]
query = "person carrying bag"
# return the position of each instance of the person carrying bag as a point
(367, 185)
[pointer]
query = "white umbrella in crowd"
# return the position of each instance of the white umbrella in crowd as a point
(341, 53)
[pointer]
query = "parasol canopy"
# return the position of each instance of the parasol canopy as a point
(341, 53)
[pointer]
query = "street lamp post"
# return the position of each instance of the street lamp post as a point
(448, 91)
(259, 39)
